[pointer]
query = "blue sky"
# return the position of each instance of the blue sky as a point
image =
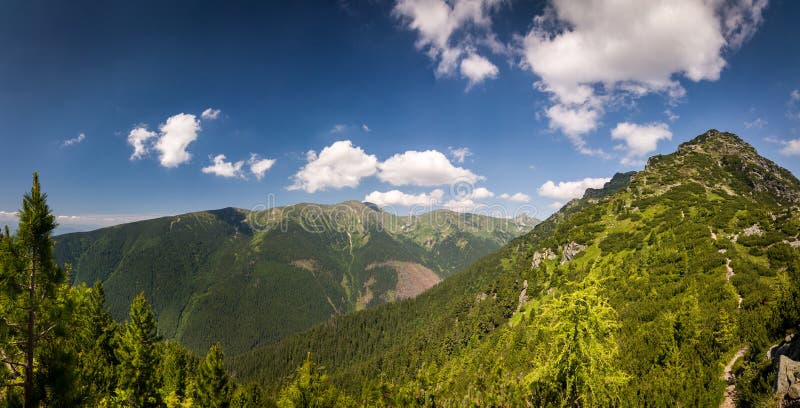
(537, 92)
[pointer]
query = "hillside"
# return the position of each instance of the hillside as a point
(638, 294)
(247, 278)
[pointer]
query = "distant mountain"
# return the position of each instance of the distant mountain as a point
(643, 293)
(248, 278)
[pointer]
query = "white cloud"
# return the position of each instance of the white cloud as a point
(74, 140)
(338, 165)
(428, 168)
(338, 128)
(516, 197)
(365, 128)
(437, 23)
(757, 123)
(221, 167)
(460, 154)
(481, 192)
(176, 134)
(139, 138)
(399, 198)
(555, 205)
(210, 114)
(590, 55)
(463, 205)
(477, 69)
(639, 139)
(791, 148)
(259, 166)
(567, 190)
(574, 122)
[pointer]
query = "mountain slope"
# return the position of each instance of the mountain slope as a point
(636, 295)
(246, 278)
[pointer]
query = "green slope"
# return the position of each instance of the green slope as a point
(621, 298)
(247, 278)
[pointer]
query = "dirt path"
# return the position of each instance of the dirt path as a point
(727, 375)
(728, 275)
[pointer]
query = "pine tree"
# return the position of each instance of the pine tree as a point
(212, 384)
(97, 359)
(139, 355)
(311, 388)
(30, 288)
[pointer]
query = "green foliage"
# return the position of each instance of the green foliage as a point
(576, 357)
(139, 355)
(311, 388)
(212, 386)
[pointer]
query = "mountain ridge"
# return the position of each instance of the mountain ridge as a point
(681, 270)
(301, 263)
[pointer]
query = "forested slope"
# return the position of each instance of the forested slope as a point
(246, 278)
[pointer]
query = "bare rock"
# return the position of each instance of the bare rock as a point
(753, 230)
(539, 257)
(523, 295)
(570, 251)
(794, 391)
(788, 375)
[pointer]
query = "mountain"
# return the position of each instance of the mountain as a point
(643, 293)
(246, 278)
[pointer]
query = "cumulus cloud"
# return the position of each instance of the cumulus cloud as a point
(438, 23)
(210, 114)
(477, 69)
(672, 116)
(427, 168)
(685, 38)
(567, 190)
(399, 198)
(259, 166)
(791, 147)
(140, 138)
(221, 167)
(555, 205)
(176, 134)
(463, 205)
(73, 141)
(516, 197)
(639, 139)
(460, 154)
(336, 166)
(480, 192)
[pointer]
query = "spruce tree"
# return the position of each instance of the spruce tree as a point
(139, 356)
(97, 360)
(212, 385)
(30, 288)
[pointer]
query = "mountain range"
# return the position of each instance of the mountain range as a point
(665, 288)
(245, 278)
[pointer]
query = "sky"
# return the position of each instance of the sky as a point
(130, 110)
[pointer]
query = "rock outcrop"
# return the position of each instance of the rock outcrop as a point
(570, 251)
(539, 257)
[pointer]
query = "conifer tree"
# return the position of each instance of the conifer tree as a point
(212, 384)
(139, 355)
(30, 282)
(97, 360)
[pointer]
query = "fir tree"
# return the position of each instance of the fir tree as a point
(139, 355)
(212, 385)
(30, 282)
